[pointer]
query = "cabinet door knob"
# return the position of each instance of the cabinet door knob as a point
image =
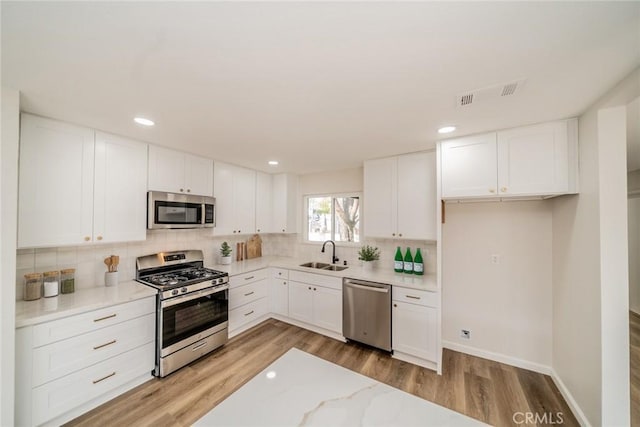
(239, 231)
(284, 283)
(99, 237)
(393, 234)
(309, 287)
(503, 189)
(395, 305)
(492, 190)
(188, 190)
(87, 238)
(314, 289)
(182, 190)
(400, 234)
(258, 230)
(283, 230)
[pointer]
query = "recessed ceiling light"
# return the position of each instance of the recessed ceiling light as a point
(271, 375)
(273, 162)
(446, 129)
(143, 121)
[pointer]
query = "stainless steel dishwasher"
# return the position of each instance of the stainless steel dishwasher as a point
(366, 312)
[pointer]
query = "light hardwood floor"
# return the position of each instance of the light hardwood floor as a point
(634, 344)
(488, 391)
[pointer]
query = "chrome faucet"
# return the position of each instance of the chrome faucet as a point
(334, 258)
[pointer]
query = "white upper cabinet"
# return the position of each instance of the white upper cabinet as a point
(55, 199)
(400, 197)
(284, 190)
(76, 187)
(263, 202)
(177, 172)
(538, 160)
(120, 187)
(469, 166)
(235, 193)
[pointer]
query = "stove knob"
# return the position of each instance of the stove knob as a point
(183, 290)
(174, 292)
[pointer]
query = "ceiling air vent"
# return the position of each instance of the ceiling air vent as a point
(491, 93)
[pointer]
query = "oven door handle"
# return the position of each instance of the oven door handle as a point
(188, 297)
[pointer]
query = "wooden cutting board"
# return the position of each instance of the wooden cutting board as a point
(254, 247)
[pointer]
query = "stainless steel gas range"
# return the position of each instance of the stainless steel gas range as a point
(192, 306)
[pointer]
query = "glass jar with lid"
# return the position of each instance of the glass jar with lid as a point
(51, 283)
(67, 281)
(32, 286)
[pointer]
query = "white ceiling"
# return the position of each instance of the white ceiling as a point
(318, 86)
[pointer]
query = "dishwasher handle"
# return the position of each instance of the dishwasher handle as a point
(366, 287)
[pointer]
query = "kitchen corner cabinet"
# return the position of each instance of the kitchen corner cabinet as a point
(316, 299)
(77, 186)
(69, 366)
(284, 190)
(279, 292)
(235, 193)
(177, 172)
(538, 160)
(400, 197)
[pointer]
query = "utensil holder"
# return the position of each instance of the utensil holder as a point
(111, 278)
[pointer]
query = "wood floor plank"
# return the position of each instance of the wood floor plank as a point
(479, 388)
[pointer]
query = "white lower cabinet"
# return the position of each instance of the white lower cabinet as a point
(414, 326)
(279, 292)
(316, 299)
(248, 301)
(68, 366)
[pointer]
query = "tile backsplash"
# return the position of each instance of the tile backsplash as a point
(89, 260)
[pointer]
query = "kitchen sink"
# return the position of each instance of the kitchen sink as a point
(324, 266)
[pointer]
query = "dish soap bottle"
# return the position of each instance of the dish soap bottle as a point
(418, 264)
(408, 262)
(398, 264)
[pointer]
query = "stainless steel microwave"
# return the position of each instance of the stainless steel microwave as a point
(175, 210)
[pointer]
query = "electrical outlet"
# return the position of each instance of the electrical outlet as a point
(465, 333)
(495, 259)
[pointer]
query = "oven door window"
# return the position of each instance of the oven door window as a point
(178, 213)
(186, 319)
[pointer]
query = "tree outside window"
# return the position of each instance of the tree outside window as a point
(333, 217)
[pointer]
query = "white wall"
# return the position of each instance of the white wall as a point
(507, 306)
(8, 230)
(582, 318)
(633, 210)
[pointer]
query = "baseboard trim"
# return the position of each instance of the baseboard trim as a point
(568, 397)
(497, 357)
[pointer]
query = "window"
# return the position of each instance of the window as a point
(333, 217)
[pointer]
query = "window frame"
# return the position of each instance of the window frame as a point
(305, 217)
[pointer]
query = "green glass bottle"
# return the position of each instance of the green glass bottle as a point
(398, 264)
(408, 262)
(418, 264)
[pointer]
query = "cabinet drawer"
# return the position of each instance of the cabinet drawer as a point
(245, 294)
(243, 279)
(412, 296)
(316, 279)
(64, 357)
(280, 273)
(57, 397)
(247, 313)
(68, 327)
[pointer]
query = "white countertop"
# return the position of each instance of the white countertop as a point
(299, 389)
(82, 300)
(428, 282)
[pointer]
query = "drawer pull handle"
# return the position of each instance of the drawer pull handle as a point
(104, 345)
(412, 297)
(250, 293)
(104, 378)
(251, 312)
(249, 278)
(105, 318)
(199, 346)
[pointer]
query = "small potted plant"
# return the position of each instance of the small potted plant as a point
(368, 254)
(225, 253)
